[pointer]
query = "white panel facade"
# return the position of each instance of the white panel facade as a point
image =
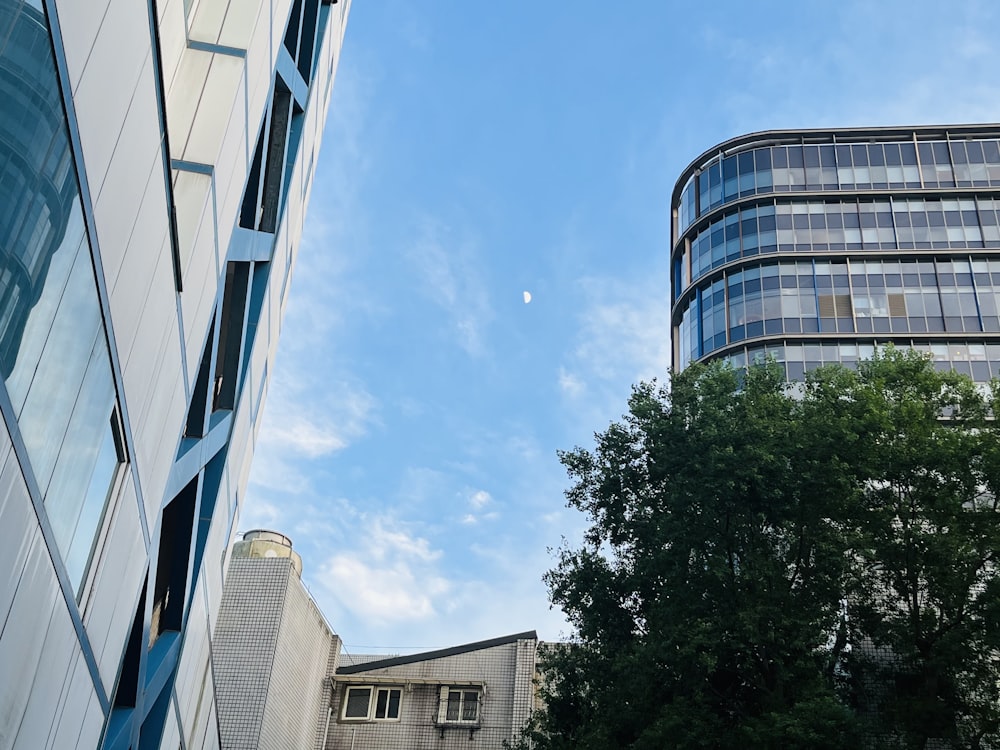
(129, 383)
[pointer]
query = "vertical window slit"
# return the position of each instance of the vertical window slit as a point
(172, 563)
(250, 210)
(231, 326)
(275, 161)
(128, 683)
(195, 426)
(310, 16)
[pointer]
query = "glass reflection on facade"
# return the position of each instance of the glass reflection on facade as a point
(53, 348)
(818, 246)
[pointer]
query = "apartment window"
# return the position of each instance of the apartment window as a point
(370, 703)
(459, 706)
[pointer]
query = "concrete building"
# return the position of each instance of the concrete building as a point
(155, 164)
(282, 681)
(817, 246)
(473, 696)
(274, 655)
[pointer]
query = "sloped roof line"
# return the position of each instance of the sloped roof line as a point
(396, 661)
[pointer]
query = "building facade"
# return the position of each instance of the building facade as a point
(155, 163)
(817, 246)
(274, 655)
(478, 695)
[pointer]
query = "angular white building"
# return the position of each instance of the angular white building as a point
(155, 164)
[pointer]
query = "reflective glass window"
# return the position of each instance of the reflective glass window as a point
(686, 209)
(714, 185)
(53, 350)
(858, 166)
(762, 168)
(747, 175)
(730, 179)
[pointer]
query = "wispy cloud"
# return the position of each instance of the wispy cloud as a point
(396, 543)
(571, 384)
(448, 272)
(306, 420)
(623, 337)
(892, 38)
(300, 434)
(382, 594)
(391, 576)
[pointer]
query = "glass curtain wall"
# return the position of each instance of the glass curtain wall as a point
(53, 347)
(784, 248)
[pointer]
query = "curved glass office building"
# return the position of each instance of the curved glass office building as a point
(817, 246)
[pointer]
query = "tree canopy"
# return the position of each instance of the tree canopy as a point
(783, 566)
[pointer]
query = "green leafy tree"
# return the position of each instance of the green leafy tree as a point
(924, 596)
(774, 566)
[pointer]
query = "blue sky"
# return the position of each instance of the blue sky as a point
(475, 151)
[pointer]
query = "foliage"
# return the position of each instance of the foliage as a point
(775, 566)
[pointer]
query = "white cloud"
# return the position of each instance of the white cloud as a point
(303, 424)
(389, 576)
(298, 434)
(480, 498)
(390, 543)
(383, 594)
(478, 501)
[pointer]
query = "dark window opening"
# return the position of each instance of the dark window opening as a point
(281, 111)
(250, 210)
(292, 149)
(227, 359)
(210, 488)
(128, 683)
(292, 32)
(172, 562)
(307, 40)
(322, 23)
(195, 426)
(258, 288)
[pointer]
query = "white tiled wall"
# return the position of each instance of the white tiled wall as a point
(504, 671)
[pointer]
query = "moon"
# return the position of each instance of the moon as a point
(527, 297)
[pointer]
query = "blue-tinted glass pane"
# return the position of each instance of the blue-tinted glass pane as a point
(53, 353)
(60, 370)
(94, 504)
